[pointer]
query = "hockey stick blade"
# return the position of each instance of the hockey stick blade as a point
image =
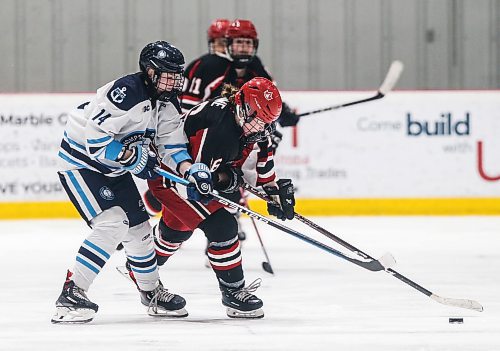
(267, 267)
(387, 260)
(392, 77)
(462, 303)
(390, 80)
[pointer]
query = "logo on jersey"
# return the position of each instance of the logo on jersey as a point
(106, 193)
(118, 95)
(146, 108)
(268, 95)
(161, 54)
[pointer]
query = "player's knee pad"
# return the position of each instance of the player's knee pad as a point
(111, 224)
(220, 226)
(172, 235)
(167, 241)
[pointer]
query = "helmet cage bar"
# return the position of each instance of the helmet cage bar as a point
(242, 59)
(169, 85)
(261, 135)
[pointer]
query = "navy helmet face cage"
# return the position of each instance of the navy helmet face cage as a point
(162, 58)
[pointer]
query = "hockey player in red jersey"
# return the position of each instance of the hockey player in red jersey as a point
(222, 133)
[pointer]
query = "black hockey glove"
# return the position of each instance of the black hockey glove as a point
(201, 183)
(141, 162)
(228, 180)
(288, 118)
(282, 195)
(276, 138)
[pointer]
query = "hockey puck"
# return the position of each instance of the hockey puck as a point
(456, 320)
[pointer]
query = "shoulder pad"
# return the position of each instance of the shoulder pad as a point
(257, 66)
(214, 64)
(127, 92)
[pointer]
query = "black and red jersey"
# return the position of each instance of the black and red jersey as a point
(205, 77)
(217, 140)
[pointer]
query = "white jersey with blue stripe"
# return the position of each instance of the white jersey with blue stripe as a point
(121, 115)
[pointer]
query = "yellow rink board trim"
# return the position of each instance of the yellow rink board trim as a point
(306, 207)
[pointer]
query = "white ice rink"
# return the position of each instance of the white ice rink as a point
(315, 301)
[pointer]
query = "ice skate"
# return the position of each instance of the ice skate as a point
(73, 306)
(161, 303)
(241, 303)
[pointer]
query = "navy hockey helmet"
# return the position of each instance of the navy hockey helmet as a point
(167, 63)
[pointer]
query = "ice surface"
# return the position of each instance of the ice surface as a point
(315, 301)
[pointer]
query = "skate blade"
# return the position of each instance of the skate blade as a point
(160, 312)
(71, 315)
(233, 313)
(124, 273)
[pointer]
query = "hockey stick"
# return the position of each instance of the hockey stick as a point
(389, 82)
(463, 303)
(387, 259)
(371, 265)
(267, 264)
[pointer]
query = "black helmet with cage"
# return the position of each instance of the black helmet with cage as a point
(167, 65)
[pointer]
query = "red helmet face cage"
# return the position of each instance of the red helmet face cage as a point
(241, 29)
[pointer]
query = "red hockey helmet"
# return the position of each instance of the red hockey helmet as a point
(241, 29)
(259, 98)
(217, 29)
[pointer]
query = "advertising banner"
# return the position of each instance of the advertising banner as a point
(418, 145)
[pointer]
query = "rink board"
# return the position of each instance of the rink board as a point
(424, 152)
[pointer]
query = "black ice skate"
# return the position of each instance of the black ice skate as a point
(161, 303)
(73, 306)
(241, 303)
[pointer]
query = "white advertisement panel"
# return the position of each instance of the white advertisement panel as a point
(406, 145)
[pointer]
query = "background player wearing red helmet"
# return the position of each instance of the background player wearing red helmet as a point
(216, 36)
(221, 132)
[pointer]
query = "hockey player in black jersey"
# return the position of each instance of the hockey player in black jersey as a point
(105, 141)
(238, 64)
(222, 133)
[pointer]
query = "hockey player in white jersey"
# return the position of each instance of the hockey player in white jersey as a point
(105, 140)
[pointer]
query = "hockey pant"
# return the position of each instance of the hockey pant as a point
(180, 217)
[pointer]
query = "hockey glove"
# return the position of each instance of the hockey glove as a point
(288, 118)
(282, 195)
(201, 183)
(141, 162)
(228, 180)
(276, 138)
